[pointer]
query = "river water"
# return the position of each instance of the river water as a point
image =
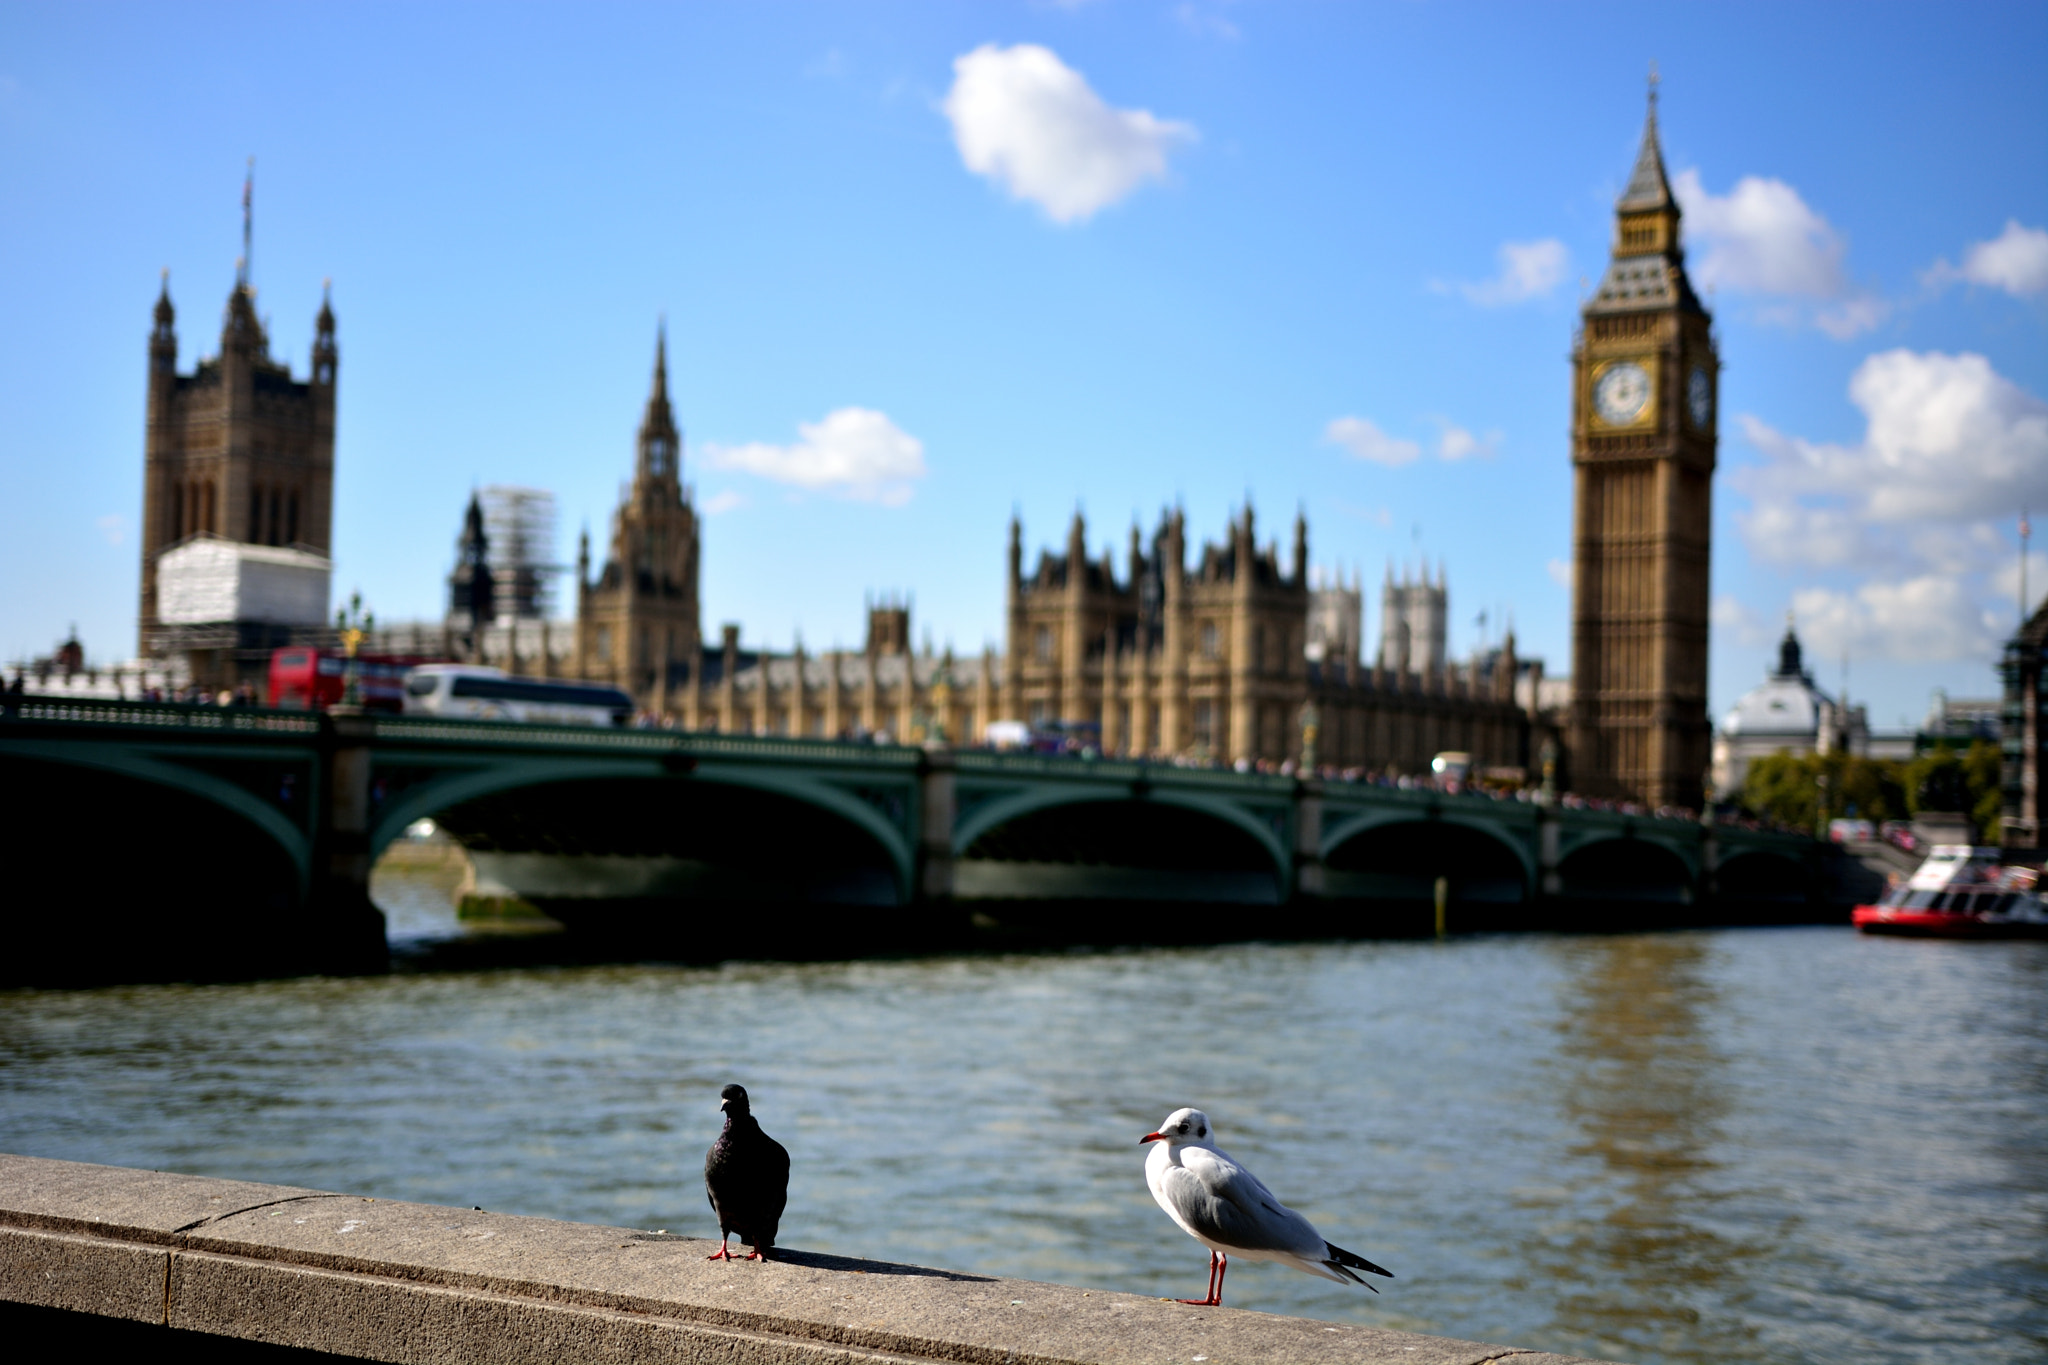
(1736, 1145)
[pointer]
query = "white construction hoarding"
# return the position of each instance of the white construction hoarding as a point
(206, 581)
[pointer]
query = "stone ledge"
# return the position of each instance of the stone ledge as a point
(379, 1280)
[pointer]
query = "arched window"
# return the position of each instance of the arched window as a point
(206, 520)
(256, 515)
(291, 519)
(177, 511)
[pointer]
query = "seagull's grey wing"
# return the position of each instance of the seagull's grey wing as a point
(1226, 1203)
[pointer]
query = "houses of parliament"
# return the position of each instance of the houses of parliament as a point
(1225, 650)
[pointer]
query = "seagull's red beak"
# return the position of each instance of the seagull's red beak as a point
(1151, 1137)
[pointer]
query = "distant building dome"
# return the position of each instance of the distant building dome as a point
(1787, 705)
(1786, 713)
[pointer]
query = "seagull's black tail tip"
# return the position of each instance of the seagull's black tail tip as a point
(1343, 1261)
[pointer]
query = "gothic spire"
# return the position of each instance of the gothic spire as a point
(1647, 186)
(1646, 270)
(660, 394)
(165, 314)
(248, 213)
(660, 443)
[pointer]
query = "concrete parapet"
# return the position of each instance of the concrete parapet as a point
(379, 1280)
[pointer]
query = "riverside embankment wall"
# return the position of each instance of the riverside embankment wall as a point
(297, 1271)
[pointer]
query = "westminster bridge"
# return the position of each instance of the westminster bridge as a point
(159, 826)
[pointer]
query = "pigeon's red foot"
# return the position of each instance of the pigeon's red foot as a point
(724, 1253)
(1202, 1303)
(757, 1255)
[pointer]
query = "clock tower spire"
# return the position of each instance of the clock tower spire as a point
(1644, 382)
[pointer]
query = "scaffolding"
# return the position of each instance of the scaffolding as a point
(520, 523)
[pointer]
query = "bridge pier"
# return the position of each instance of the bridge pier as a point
(1549, 824)
(936, 802)
(345, 929)
(1308, 840)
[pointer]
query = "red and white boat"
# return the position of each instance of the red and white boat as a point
(1960, 892)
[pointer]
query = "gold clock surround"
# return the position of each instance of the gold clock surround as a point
(1646, 419)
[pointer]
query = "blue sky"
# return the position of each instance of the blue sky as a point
(925, 263)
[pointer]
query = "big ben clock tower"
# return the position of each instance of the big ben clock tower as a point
(1644, 382)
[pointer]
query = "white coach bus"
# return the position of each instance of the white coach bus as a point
(474, 692)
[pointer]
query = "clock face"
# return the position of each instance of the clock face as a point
(1699, 397)
(1622, 393)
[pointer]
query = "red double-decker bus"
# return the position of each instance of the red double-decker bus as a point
(305, 679)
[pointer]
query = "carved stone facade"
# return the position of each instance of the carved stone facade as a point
(1415, 621)
(1210, 662)
(637, 621)
(1207, 663)
(238, 450)
(1645, 378)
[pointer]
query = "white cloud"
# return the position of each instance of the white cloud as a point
(1364, 439)
(1030, 122)
(1378, 516)
(114, 527)
(1762, 238)
(719, 503)
(2016, 261)
(1931, 617)
(1919, 507)
(1560, 571)
(831, 65)
(853, 453)
(1205, 23)
(1947, 439)
(1359, 436)
(1731, 616)
(1456, 443)
(1528, 270)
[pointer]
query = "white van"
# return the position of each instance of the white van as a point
(474, 692)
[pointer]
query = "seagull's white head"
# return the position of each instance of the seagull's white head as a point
(1181, 1126)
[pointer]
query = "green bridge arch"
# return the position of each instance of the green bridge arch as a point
(908, 815)
(456, 786)
(157, 767)
(997, 811)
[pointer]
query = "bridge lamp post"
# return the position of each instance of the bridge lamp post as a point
(939, 707)
(353, 623)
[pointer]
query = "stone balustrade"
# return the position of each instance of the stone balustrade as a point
(272, 1271)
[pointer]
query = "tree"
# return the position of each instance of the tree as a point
(1786, 787)
(1971, 783)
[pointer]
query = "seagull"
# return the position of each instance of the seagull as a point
(746, 1177)
(1230, 1211)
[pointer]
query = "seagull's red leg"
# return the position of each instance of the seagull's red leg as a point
(724, 1252)
(1216, 1264)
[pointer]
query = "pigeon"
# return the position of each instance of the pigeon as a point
(1230, 1211)
(746, 1177)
